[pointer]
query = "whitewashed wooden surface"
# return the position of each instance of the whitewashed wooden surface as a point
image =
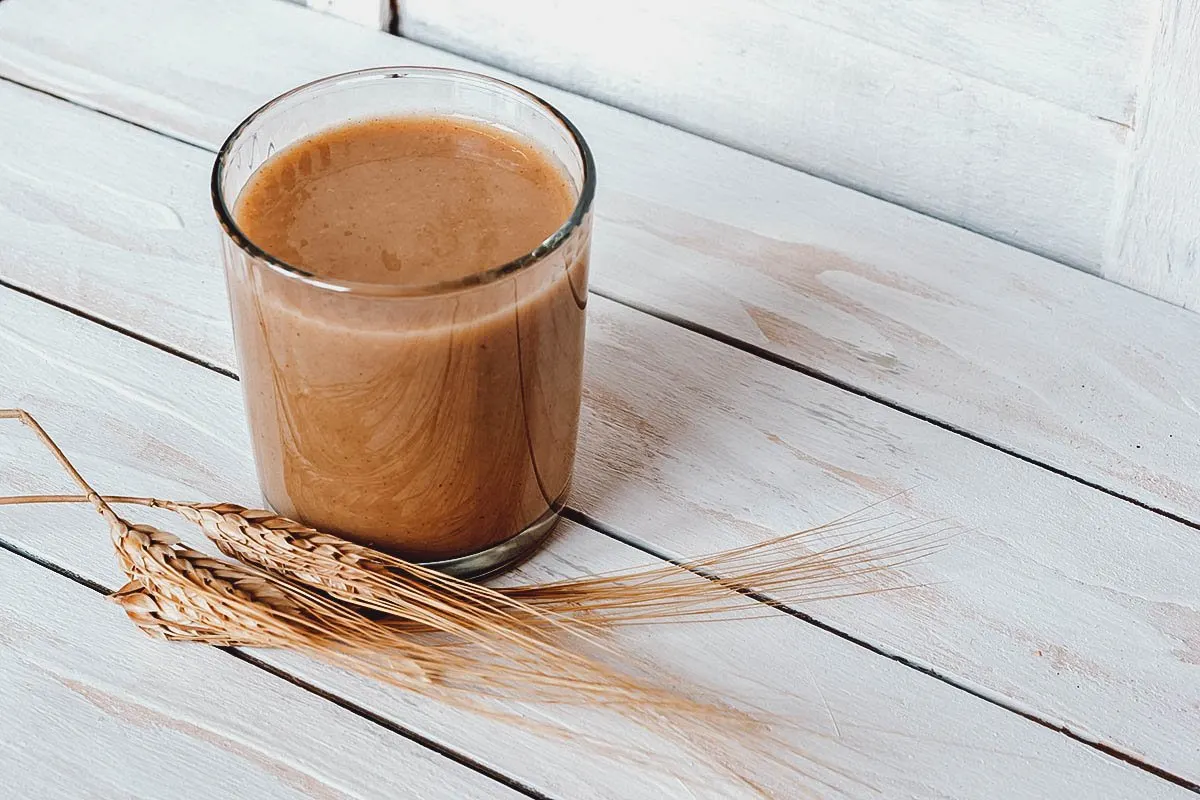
(1065, 127)
(767, 450)
(1069, 605)
(1017, 350)
(91, 708)
(1154, 243)
(1007, 118)
(134, 416)
(371, 13)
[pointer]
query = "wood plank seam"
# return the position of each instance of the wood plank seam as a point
(341, 702)
(389, 725)
(97, 109)
(998, 700)
(824, 377)
(975, 690)
(394, 19)
(783, 363)
(861, 188)
(673, 319)
(166, 348)
(602, 528)
(841, 256)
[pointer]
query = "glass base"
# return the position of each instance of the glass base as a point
(503, 555)
(499, 556)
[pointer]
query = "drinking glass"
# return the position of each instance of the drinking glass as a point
(437, 421)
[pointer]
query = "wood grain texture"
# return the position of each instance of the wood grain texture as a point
(91, 708)
(950, 144)
(1072, 53)
(71, 203)
(1153, 243)
(1006, 118)
(693, 446)
(373, 14)
(135, 417)
(1020, 351)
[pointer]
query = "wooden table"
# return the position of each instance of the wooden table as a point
(766, 351)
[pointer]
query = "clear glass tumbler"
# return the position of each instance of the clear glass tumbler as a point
(437, 422)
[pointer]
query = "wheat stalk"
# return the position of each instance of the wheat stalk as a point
(176, 592)
(382, 616)
(786, 570)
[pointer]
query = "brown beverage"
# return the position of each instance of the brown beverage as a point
(429, 423)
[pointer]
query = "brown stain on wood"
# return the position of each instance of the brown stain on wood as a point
(798, 264)
(618, 445)
(1060, 657)
(1119, 130)
(1063, 659)
(790, 334)
(144, 716)
(876, 487)
(1180, 624)
(129, 222)
(613, 409)
(798, 267)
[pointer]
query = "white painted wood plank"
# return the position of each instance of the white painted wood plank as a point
(91, 708)
(763, 450)
(1073, 53)
(1004, 118)
(136, 417)
(948, 144)
(1018, 350)
(79, 198)
(711, 278)
(1155, 231)
(371, 13)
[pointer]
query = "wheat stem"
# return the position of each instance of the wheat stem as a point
(90, 494)
(371, 612)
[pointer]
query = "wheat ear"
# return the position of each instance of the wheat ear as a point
(176, 592)
(309, 591)
(825, 562)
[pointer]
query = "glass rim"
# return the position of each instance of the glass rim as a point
(482, 277)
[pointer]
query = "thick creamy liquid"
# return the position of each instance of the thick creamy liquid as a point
(432, 426)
